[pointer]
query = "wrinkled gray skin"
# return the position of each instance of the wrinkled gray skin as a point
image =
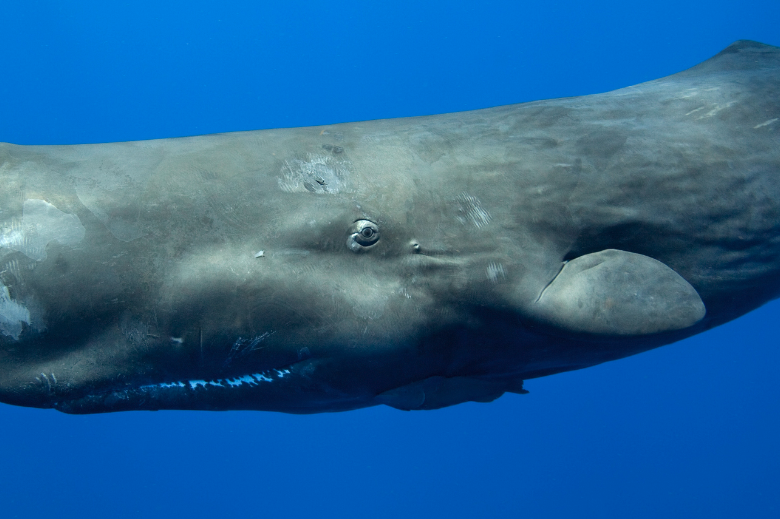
(243, 271)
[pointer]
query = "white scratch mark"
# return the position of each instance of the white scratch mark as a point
(689, 93)
(47, 380)
(244, 347)
(717, 109)
(765, 123)
(695, 110)
(470, 209)
(495, 271)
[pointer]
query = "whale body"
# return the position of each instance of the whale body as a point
(418, 262)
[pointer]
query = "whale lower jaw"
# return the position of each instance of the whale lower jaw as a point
(253, 380)
(178, 394)
(287, 389)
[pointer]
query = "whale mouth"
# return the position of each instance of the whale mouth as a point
(184, 393)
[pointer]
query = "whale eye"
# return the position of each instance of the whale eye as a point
(362, 234)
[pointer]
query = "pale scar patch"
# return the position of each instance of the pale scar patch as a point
(12, 314)
(41, 223)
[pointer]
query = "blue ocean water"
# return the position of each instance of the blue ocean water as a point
(689, 430)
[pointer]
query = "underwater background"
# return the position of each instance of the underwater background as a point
(688, 430)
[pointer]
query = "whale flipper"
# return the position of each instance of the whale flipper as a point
(613, 292)
(437, 392)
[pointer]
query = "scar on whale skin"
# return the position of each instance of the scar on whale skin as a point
(12, 314)
(41, 224)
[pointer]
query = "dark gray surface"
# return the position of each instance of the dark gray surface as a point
(243, 271)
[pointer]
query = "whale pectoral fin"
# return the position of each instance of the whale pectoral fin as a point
(438, 392)
(614, 292)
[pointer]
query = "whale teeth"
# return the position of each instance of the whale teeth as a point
(253, 379)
